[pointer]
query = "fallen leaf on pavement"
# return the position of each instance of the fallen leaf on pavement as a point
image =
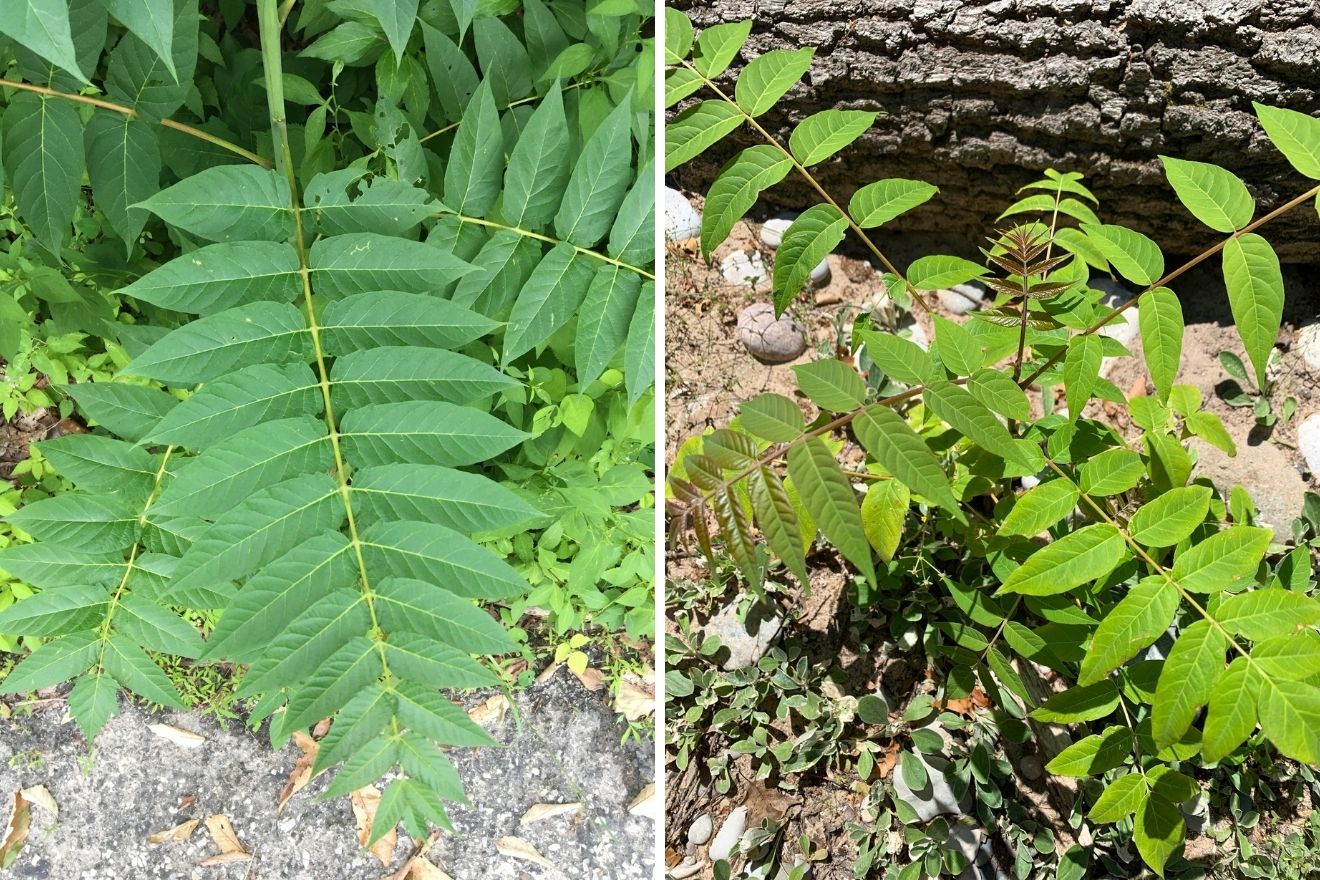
(646, 803)
(635, 698)
(420, 869)
(546, 811)
(302, 771)
(39, 795)
(365, 803)
(516, 847)
(182, 738)
(490, 712)
(16, 830)
(592, 678)
(178, 832)
(222, 833)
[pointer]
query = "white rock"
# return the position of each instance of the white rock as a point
(729, 834)
(701, 830)
(770, 340)
(772, 231)
(966, 839)
(681, 220)
(820, 276)
(1115, 294)
(935, 797)
(741, 267)
(1030, 481)
(686, 868)
(1308, 343)
(962, 298)
(747, 640)
(1308, 442)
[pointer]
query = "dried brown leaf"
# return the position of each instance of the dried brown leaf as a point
(16, 830)
(646, 803)
(302, 771)
(365, 803)
(182, 738)
(39, 795)
(547, 811)
(222, 832)
(178, 832)
(420, 869)
(490, 712)
(517, 848)
(592, 678)
(635, 698)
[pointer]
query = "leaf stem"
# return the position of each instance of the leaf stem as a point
(527, 233)
(133, 114)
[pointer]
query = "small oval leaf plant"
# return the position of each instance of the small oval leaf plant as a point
(1115, 545)
(391, 361)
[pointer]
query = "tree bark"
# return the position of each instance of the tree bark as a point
(980, 96)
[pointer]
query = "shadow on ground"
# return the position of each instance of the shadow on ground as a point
(561, 744)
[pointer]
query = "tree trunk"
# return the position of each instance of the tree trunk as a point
(980, 96)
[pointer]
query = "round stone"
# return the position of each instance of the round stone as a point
(681, 220)
(770, 340)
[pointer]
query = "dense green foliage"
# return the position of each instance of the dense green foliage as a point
(361, 412)
(1115, 546)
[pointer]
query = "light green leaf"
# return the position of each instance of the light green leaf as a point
(878, 203)
(1134, 623)
(767, 77)
(697, 129)
(1135, 256)
(1081, 372)
(999, 392)
(1232, 713)
(538, 166)
(42, 26)
(601, 177)
(1255, 294)
(1290, 717)
(900, 358)
(151, 21)
(441, 556)
(1159, 829)
(1093, 755)
(1161, 321)
(736, 189)
(1111, 472)
(1222, 560)
(227, 203)
(771, 417)
(1297, 135)
(548, 300)
(1215, 196)
(809, 239)
(1120, 799)
(1264, 614)
(717, 46)
(884, 510)
(343, 265)
(678, 34)
(828, 496)
(43, 153)
(1292, 657)
(1171, 517)
(1040, 508)
(831, 384)
(603, 320)
(969, 417)
(1194, 665)
(901, 451)
(1090, 552)
(425, 432)
(823, 134)
(937, 272)
(50, 566)
(1084, 703)
(957, 349)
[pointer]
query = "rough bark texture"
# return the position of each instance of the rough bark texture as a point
(979, 96)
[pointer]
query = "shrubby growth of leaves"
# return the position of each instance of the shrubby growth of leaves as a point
(378, 284)
(1116, 545)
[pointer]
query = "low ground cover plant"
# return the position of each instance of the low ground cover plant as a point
(1114, 545)
(382, 376)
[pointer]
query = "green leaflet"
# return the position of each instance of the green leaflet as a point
(1040, 508)
(1160, 319)
(1188, 678)
(474, 173)
(736, 189)
(227, 203)
(430, 432)
(86, 522)
(884, 510)
(433, 553)
(603, 321)
(262, 332)
(343, 265)
(1120, 799)
(1112, 472)
(831, 384)
(1159, 828)
(538, 166)
(388, 317)
(639, 350)
(1081, 372)
(379, 205)
(57, 612)
(42, 145)
(1255, 294)
(601, 178)
(419, 607)
(221, 276)
(93, 699)
(969, 417)
(1001, 394)
(395, 374)
(828, 497)
(823, 134)
(1171, 517)
(1264, 614)
(244, 398)
(718, 45)
(809, 239)
(1222, 560)
(956, 348)
(396, 18)
(1089, 553)
(696, 129)
(42, 26)
(100, 464)
(151, 21)
(1093, 755)
(1215, 196)
(878, 203)
(1297, 135)
(1134, 623)
(900, 358)
(130, 411)
(772, 417)
(633, 234)
(1133, 255)
(123, 164)
(1083, 703)
(778, 520)
(551, 296)
(136, 76)
(767, 77)
(1290, 717)
(1232, 712)
(456, 499)
(937, 272)
(901, 451)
